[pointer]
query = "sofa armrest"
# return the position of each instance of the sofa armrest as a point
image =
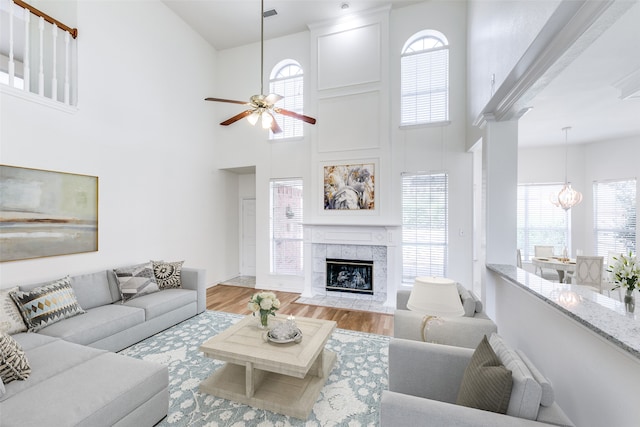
(457, 331)
(195, 279)
(400, 410)
(402, 298)
(427, 370)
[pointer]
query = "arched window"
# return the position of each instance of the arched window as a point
(425, 79)
(287, 80)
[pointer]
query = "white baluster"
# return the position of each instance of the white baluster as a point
(41, 63)
(12, 70)
(27, 52)
(54, 59)
(67, 39)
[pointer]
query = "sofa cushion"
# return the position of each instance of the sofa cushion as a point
(526, 392)
(47, 304)
(96, 324)
(48, 357)
(548, 395)
(92, 290)
(162, 302)
(10, 318)
(486, 383)
(168, 274)
(13, 360)
(468, 303)
(136, 280)
(99, 391)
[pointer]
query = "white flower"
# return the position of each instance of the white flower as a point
(253, 306)
(266, 304)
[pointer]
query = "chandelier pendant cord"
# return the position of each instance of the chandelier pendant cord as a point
(261, 46)
(566, 153)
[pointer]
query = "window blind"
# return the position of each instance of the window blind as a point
(424, 225)
(539, 222)
(614, 216)
(288, 82)
(285, 229)
(425, 86)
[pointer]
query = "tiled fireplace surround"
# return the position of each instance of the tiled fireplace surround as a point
(377, 243)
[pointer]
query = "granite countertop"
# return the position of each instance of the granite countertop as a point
(603, 315)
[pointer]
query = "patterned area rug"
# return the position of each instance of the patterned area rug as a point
(351, 396)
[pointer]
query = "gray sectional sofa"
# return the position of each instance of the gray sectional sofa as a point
(77, 380)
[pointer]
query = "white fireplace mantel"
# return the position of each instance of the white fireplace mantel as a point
(358, 235)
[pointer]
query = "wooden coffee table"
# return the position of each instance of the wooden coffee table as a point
(284, 378)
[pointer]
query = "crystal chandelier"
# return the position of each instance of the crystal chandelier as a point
(567, 197)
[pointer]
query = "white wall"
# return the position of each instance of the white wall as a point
(143, 128)
(587, 163)
(373, 128)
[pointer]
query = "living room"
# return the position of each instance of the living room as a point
(171, 180)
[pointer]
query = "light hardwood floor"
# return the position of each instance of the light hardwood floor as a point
(234, 299)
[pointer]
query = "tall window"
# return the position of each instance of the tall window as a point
(424, 225)
(425, 79)
(539, 222)
(285, 227)
(614, 216)
(287, 80)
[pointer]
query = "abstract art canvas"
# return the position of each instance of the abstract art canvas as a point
(46, 213)
(349, 186)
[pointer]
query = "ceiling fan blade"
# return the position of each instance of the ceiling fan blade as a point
(302, 117)
(272, 98)
(274, 126)
(236, 117)
(225, 100)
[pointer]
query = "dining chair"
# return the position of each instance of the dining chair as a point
(589, 272)
(545, 273)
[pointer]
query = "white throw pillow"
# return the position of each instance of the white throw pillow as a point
(10, 319)
(526, 392)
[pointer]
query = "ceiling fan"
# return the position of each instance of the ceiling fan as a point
(262, 106)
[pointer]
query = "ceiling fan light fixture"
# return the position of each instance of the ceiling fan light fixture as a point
(267, 120)
(253, 117)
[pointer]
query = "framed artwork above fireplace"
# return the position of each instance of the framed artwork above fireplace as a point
(349, 186)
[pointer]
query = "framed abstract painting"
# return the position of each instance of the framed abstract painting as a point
(349, 186)
(46, 213)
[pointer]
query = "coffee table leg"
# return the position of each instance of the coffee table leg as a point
(249, 380)
(317, 368)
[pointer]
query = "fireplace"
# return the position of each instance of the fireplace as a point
(345, 275)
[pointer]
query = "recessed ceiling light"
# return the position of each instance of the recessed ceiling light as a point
(344, 6)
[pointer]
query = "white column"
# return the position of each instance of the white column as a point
(500, 168)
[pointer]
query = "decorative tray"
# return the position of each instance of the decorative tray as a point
(543, 259)
(297, 337)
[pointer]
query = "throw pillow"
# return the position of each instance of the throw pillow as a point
(526, 393)
(10, 319)
(136, 280)
(486, 383)
(168, 274)
(13, 360)
(47, 304)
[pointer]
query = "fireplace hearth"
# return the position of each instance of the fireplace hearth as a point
(354, 276)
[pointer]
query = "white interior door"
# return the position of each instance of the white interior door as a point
(248, 238)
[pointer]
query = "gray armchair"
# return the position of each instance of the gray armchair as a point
(466, 331)
(424, 381)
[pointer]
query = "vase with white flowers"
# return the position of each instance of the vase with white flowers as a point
(264, 304)
(626, 273)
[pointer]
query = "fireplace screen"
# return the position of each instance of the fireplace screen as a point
(350, 276)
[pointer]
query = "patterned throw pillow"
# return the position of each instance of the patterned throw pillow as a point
(10, 319)
(13, 361)
(168, 274)
(136, 280)
(48, 304)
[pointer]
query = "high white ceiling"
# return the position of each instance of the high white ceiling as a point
(583, 96)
